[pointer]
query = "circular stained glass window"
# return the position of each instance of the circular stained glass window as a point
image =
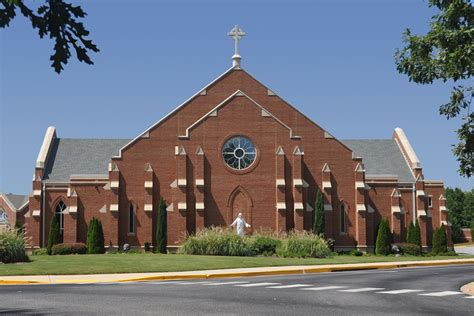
(239, 152)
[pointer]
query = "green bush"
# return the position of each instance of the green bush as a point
(414, 234)
(265, 245)
(54, 236)
(95, 237)
(161, 228)
(147, 246)
(12, 246)
(40, 252)
(356, 252)
(216, 241)
(440, 241)
(318, 220)
(409, 249)
(303, 245)
(472, 231)
(384, 239)
(69, 249)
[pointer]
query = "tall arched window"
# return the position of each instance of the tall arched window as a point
(342, 218)
(131, 219)
(59, 213)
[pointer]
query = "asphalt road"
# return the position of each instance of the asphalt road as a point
(408, 291)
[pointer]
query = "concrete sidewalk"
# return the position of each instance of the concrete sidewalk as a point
(221, 273)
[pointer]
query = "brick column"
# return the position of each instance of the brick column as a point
(200, 189)
(421, 210)
(396, 220)
(70, 218)
(177, 218)
(361, 210)
(327, 197)
(298, 183)
(34, 216)
(114, 203)
(280, 190)
(150, 206)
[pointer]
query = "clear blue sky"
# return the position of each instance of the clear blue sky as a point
(333, 60)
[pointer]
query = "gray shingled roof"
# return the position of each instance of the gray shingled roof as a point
(16, 199)
(381, 157)
(80, 156)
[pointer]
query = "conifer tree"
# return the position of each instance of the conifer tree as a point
(411, 233)
(161, 228)
(95, 237)
(318, 222)
(417, 234)
(440, 241)
(384, 238)
(54, 236)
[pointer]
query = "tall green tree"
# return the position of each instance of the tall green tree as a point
(440, 241)
(410, 232)
(468, 208)
(446, 53)
(455, 205)
(384, 238)
(95, 237)
(414, 234)
(318, 219)
(58, 20)
(54, 236)
(161, 228)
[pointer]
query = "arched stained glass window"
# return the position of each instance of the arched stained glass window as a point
(59, 213)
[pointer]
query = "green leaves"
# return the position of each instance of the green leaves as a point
(58, 20)
(445, 53)
(161, 228)
(318, 220)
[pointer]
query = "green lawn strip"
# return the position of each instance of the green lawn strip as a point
(136, 263)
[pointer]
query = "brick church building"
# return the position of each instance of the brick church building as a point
(235, 146)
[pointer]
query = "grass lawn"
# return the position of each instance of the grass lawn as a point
(132, 263)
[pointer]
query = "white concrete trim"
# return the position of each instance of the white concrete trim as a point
(182, 182)
(396, 209)
(370, 209)
(72, 209)
(199, 205)
(443, 208)
(281, 206)
(299, 206)
(148, 184)
(408, 148)
(360, 208)
(421, 213)
(114, 207)
(420, 193)
(280, 182)
(359, 185)
(148, 208)
(309, 208)
(327, 185)
(114, 184)
(36, 213)
(327, 207)
(224, 102)
(298, 182)
(326, 168)
(36, 192)
(182, 206)
(49, 136)
(199, 182)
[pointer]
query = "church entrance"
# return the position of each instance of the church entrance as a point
(240, 202)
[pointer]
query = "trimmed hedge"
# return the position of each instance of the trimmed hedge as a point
(12, 246)
(304, 245)
(69, 249)
(265, 245)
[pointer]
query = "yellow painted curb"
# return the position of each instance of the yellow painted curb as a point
(13, 282)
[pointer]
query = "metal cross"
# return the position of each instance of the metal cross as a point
(236, 33)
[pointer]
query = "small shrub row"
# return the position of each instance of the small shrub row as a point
(217, 241)
(69, 249)
(12, 246)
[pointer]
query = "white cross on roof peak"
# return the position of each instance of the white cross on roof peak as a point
(236, 33)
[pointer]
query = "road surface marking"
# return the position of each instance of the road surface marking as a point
(290, 286)
(443, 293)
(469, 297)
(364, 289)
(400, 291)
(257, 284)
(322, 288)
(226, 283)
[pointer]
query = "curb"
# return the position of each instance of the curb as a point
(197, 275)
(360, 267)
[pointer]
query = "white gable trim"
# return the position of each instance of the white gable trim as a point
(237, 93)
(173, 111)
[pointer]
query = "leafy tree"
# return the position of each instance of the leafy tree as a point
(455, 205)
(384, 238)
(468, 208)
(318, 221)
(95, 237)
(414, 234)
(440, 241)
(161, 240)
(445, 53)
(54, 236)
(55, 19)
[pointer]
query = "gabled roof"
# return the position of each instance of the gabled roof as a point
(80, 157)
(381, 157)
(16, 200)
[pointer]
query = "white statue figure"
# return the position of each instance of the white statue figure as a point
(240, 225)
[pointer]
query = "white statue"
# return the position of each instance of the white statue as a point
(240, 225)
